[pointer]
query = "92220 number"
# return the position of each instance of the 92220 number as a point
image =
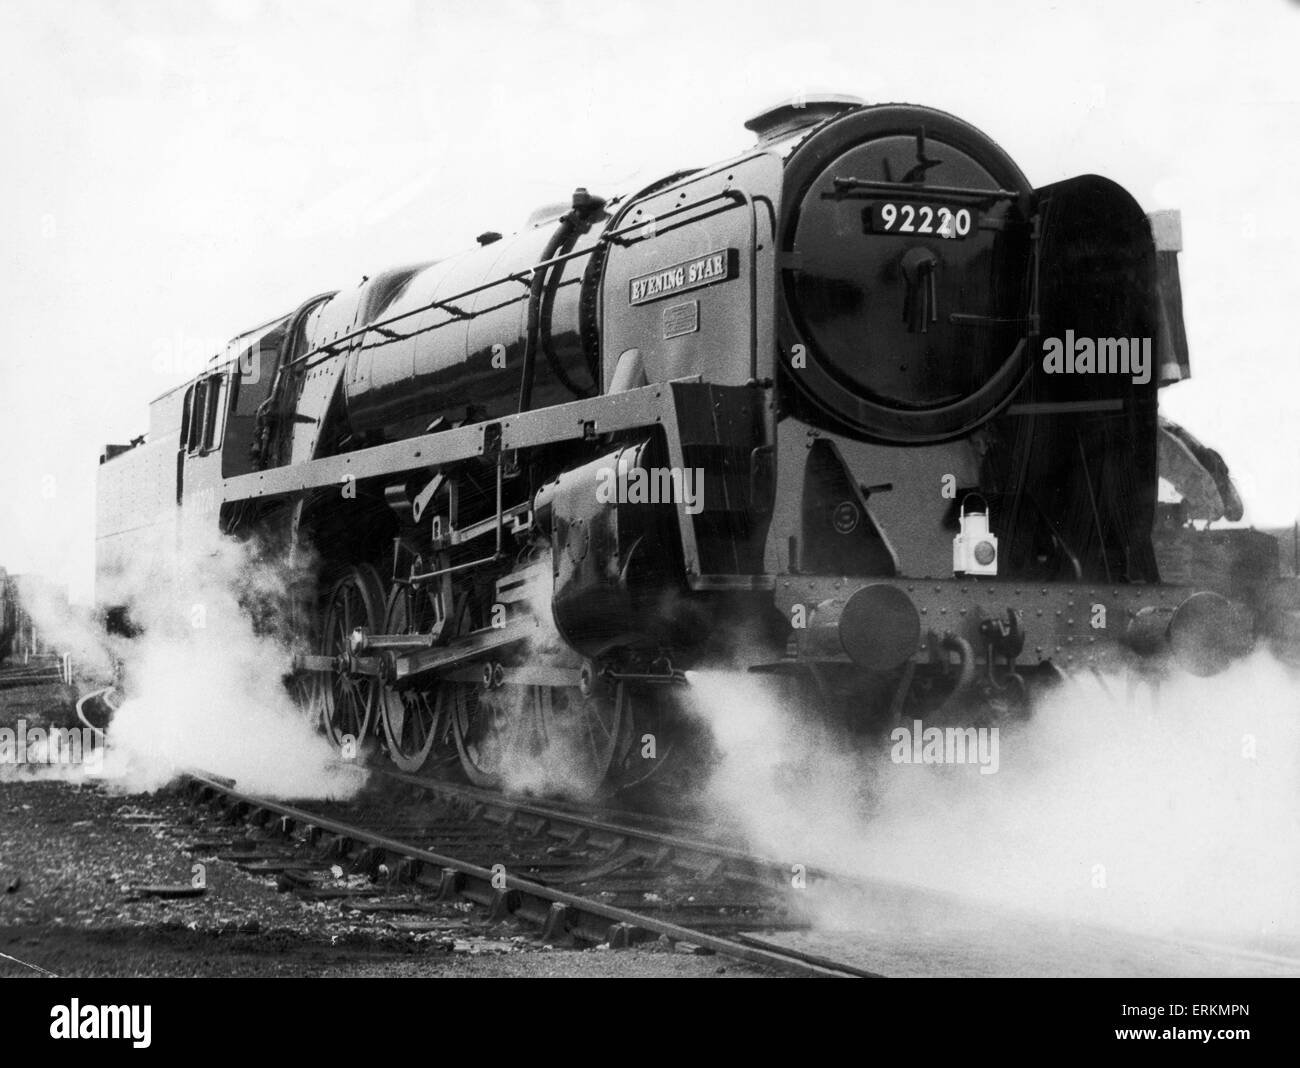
(937, 220)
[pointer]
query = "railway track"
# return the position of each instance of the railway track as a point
(578, 875)
(589, 875)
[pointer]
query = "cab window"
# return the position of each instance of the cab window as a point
(204, 415)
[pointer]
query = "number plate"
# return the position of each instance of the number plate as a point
(931, 220)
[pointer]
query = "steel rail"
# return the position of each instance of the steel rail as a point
(757, 864)
(498, 886)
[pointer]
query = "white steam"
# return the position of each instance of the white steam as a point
(1169, 812)
(65, 628)
(204, 687)
(551, 735)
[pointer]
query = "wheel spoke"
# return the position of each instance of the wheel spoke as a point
(348, 701)
(409, 718)
(397, 720)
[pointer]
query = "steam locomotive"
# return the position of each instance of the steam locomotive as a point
(860, 408)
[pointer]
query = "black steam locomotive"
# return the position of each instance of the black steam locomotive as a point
(860, 408)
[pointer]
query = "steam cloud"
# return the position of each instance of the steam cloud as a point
(1175, 811)
(204, 679)
(64, 627)
(548, 744)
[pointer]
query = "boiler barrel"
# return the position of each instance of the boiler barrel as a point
(462, 356)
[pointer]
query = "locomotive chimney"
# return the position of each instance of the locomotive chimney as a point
(797, 112)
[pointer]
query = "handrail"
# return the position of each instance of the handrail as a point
(524, 276)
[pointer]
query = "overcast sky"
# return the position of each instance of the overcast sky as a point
(178, 172)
